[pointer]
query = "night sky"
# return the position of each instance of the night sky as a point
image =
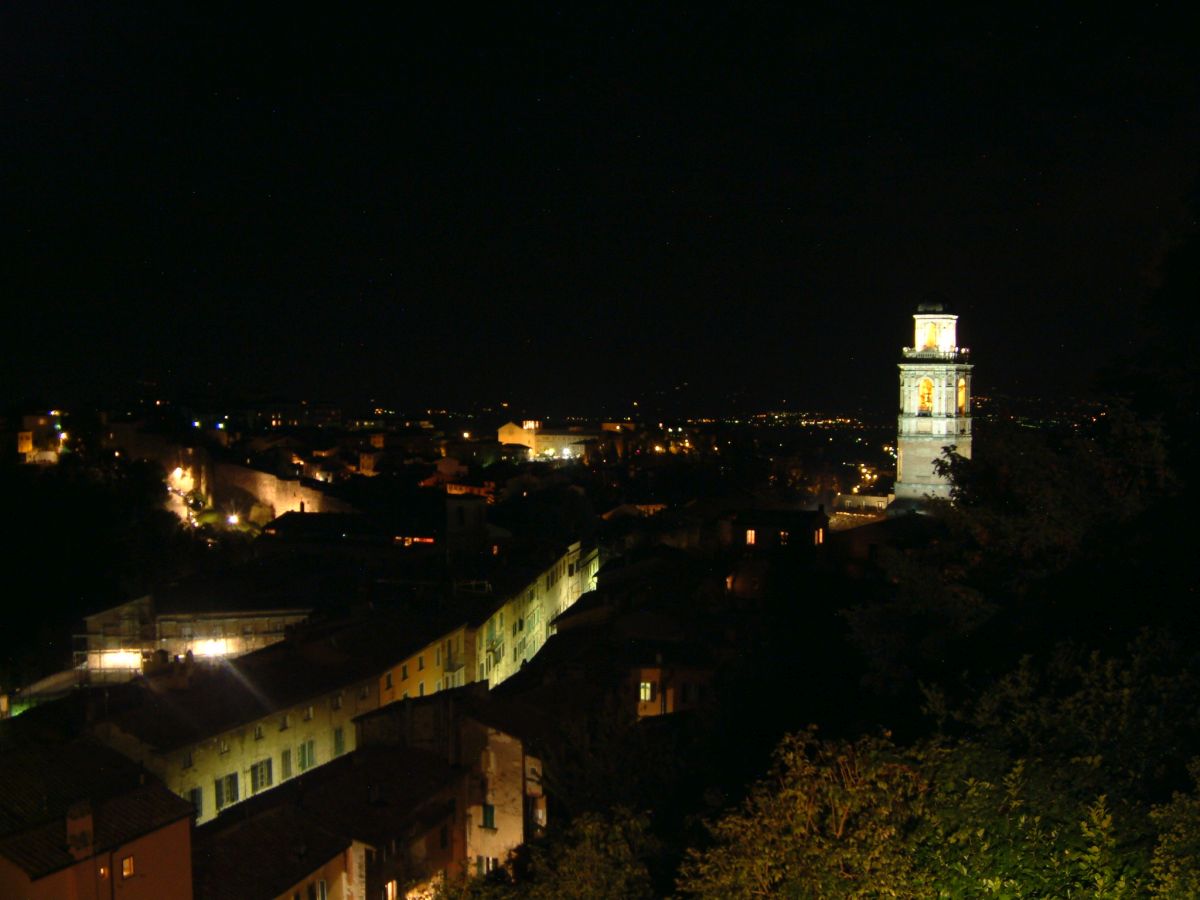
(560, 206)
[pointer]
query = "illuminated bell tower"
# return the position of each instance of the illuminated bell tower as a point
(935, 404)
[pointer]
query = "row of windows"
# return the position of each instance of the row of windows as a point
(925, 396)
(128, 870)
(225, 788)
(784, 536)
(285, 722)
(388, 681)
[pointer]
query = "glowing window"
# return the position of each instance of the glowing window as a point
(931, 336)
(391, 890)
(127, 867)
(925, 395)
(750, 537)
(962, 396)
(646, 691)
(783, 538)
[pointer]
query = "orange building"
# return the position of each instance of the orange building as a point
(79, 821)
(445, 662)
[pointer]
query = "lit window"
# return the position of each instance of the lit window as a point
(931, 336)
(127, 867)
(391, 890)
(962, 396)
(925, 396)
(646, 691)
(750, 537)
(783, 538)
(819, 537)
(103, 872)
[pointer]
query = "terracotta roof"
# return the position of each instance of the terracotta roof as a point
(286, 674)
(280, 837)
(41, 782)
(262, 856)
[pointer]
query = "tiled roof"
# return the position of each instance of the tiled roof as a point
(263, 855)
(278, 677)
(275, 840)
(287, 582)
(42, 782)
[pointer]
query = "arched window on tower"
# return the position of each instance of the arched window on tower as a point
(962, 396)
(925, 396)
(931, 336)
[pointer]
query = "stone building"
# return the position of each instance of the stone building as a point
(935, 405)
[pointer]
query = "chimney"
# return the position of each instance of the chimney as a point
(79, 830)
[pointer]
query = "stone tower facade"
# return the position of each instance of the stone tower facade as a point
(935, 404)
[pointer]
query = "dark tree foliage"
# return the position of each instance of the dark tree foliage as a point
(596, 857)
(1034, 513)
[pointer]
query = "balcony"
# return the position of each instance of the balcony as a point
(957, 355)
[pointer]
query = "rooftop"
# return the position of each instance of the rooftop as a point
(41, 782)
(166, 712)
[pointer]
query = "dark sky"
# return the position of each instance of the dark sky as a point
(556, 204)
